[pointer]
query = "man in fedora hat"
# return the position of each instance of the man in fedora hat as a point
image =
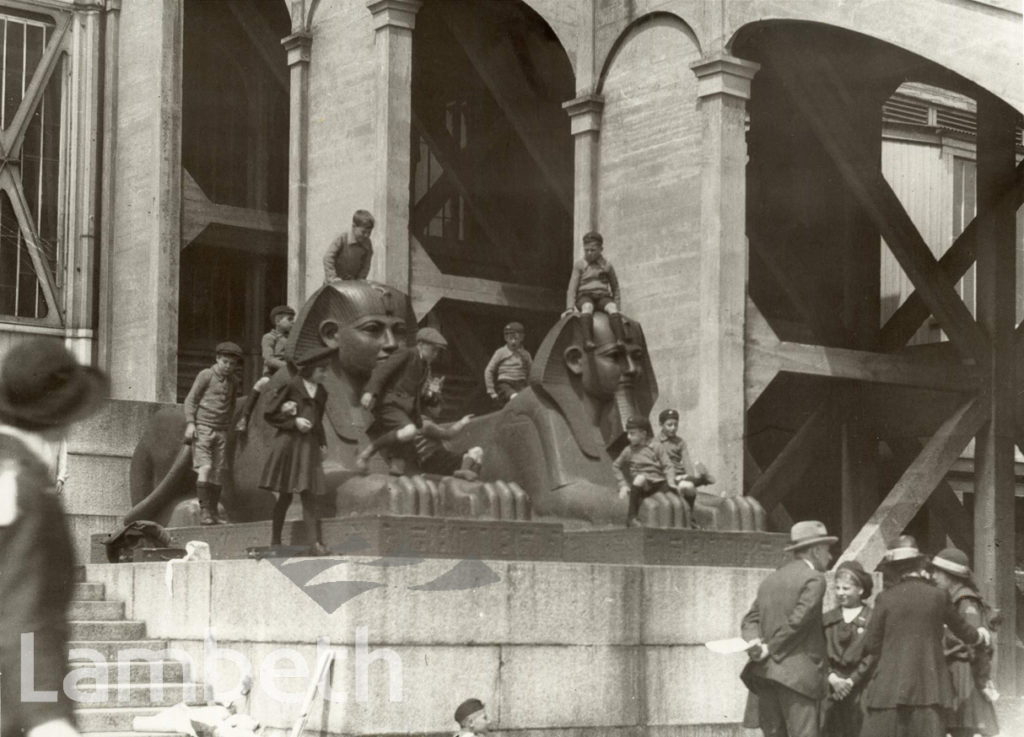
(788, 667)
(910, 691)
(43, 390)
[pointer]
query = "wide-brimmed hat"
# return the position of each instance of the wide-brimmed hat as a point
(855, 569)
(902, 549)
(42, 385)
(808, 532)
(429, 335)
(953, 561)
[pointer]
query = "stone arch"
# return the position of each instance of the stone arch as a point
(636, 26)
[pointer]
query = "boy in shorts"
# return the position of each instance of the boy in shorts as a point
(642, 468)
(209, 409)
(594, 286)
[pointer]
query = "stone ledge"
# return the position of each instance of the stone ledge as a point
(654, 546)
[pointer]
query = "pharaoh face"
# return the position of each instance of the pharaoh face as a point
(365, 342)
(611, 367)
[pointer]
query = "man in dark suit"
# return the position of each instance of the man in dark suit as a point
(788, 667)
(43, 390)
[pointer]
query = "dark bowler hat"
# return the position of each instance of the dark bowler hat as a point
(42, 385)
(515, 327)
(902, 549)
(666, 415)
(807, 533)
(280, 310)
(468, 708)
(953, 561)
(429, 335)
(229, 349)
(863, 578)
(320, 355)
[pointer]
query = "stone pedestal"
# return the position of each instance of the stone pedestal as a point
(665, 547)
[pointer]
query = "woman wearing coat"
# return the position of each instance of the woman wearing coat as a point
(911, 691)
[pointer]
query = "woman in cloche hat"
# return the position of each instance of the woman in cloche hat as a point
(43, 390)
(911, 689)
(970, 667)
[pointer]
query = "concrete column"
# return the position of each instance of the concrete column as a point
(393, 21)
(83, 152)
(146, 228)
(994, 448)
(111, 44)
(298, 47)
(585, 124)
(723, 87)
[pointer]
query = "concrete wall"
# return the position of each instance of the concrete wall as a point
(553, 646)
(649, 199)
(99, 455)
(342, 140)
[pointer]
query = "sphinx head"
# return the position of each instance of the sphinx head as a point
(365, 321)
(605, 386)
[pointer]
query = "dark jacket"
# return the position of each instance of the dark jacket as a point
(36, 571)
(905, 634)
(786, 615)
(399, 381)
(845, 642)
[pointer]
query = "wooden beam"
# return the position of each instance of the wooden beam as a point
(779, 518)
(495, 60)
(958, 519)
(958, 258)
(785, 473)
(916, 484)
(431, 286)
(264, 40)
(197, 212)
(499, 229)
(823, 109)
(766, 355)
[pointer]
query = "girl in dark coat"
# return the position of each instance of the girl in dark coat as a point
(970, 667)
(848, 666)
(910, 692)
(295, 463)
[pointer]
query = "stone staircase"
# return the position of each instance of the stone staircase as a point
(100, 643)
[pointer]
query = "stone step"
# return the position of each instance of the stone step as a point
(108, 650)
(138, 694)
(167, 671)
(110, 719)
(96, 610)
(88, 591)
(98, 630)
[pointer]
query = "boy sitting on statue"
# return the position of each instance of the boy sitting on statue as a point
(594, 286)
(396, 392)
(642, 468)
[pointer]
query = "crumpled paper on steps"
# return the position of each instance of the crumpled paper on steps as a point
(198, 721)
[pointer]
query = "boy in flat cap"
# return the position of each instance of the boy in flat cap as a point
(43, 391)
(472, 719)
(396, 392)
(349, 255)
(509, 368)
(274, 347)
(594, 286)
(642, 469)
(688, 475)
(209, 409)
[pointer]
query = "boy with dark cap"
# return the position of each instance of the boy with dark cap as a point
(688, 475)
(43, 391)
(349, 255)
(594, 286)
(642, 469)
(396, 393)
(472, 719)
(209, 409)
(274, 347)
(507, 371)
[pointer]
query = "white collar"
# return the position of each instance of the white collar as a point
(851, 613)
(41, 448)
(310, 388)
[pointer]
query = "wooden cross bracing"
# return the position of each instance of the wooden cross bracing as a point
(825, 105)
